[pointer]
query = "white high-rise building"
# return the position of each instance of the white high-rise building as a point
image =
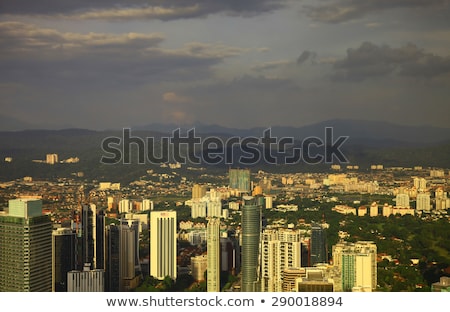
(125, 206)
(163, 244)
(358, 265)
(280, 249)
(198, 209)
(213, 254)
(373, 209)
(423, 202)
(420, 184)
(147, 204)
(214, 208)
(51, 159)
(402, 200)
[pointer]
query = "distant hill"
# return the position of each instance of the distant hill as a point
(369, 143)
(376, 132)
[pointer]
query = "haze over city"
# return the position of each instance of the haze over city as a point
(112, 64)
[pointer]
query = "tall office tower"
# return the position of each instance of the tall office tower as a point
(112, 283)
(198, 191)
(423, 202)
(86, 281)
(227, 255)
(280, 249)
(121, 273)
(163, 244)
(63, 257)
(230, 254)
(213, 252)
(402, 200)
(100, 241)
(357, 263)
(318, 245)
(251, 231)
(25, 247)
(133, 224)
(240, 180)
(88, 234)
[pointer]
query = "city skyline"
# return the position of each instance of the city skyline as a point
(98, 64)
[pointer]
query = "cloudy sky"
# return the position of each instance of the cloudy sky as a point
(117, 63)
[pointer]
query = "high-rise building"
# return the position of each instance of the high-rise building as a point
(100, 241)
(373, 209)
(163, 244)
(420, 184)
(88, 233)
(240, 180)
(280, 249)
(214, 208)
(25, 247)
(213, 252)
(122, 273)
(402, 200)
(51, 159)
(112, 283)
(63, 257)
(125, 206)
(198, 191)
(87, 280)
(318, 245)
(198, 209)
(423, 202)
(251, 231)
(147, 204)
(357, 263)
(199, 265)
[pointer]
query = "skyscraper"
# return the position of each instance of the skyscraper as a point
(25, 247)
(100, 241)
(213, 253)
(281, 249)
(357, 263)
(88, 233)
(122, 273)
(240, 180)
(318, 245)
(63, 257)
(163, 244)
(251, 231)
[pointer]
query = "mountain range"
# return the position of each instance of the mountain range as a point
(368, 143)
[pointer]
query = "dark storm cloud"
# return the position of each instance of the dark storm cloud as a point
(42, 55)
(345, 10)
(306, 55)
(129, 9)
(370, 60)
